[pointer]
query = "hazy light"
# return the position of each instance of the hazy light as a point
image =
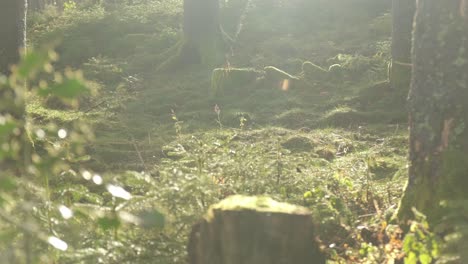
(2, 120)
(62, 133)
(40, 133)
(66, 212)
(86, 175)
(119, 192)
(285, 85)
(97, 179)
(128, 217)
(57, 243)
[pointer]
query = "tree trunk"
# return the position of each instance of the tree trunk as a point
(12, 32)
(202, 32)
(438, 103)
(12, 107)
(36, 5)
(254, 230)
(400, 71)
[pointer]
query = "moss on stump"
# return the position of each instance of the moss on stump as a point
(254, 230)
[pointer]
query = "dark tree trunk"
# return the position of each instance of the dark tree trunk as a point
(12, 39)
(438, 103)
(400, 71)
(12, 32)
(254, 230)
(202, 31)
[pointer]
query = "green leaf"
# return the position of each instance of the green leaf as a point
(408, 243)
(68, 89)
(411, 258)
(80, 159)
(425, 259)
(7, 128)
(31, 63)
(152, 219)
(7, 184)
(107, 223)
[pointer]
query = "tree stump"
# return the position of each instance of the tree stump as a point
(254, 230)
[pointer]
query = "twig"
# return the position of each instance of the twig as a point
(138, 153)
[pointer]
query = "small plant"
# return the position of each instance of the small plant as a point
(69, 6)
(242, 121)
(420, 244)
(217, 110)
(177, 123)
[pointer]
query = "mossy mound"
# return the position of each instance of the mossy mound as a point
(298, 144)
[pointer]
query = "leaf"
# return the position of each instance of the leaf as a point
(411, 258)
(152, 219)
(7, 184)
(80, 159)
(31, 63)
(425, 259)
(408, 242)
(7, 128)
(68, 89)
(107, 223)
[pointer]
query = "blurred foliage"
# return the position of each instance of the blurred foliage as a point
(47, 194)
(420, 244)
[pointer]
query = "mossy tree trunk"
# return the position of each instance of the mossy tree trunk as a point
(400, 71)
(438, 104)
(254, 230)
(203, 38)
(12, 32)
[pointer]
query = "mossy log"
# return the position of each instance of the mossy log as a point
(274, 74)
(313, 72)
(278, 78)
(254, 230)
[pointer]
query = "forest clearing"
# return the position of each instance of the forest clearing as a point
(233, 131)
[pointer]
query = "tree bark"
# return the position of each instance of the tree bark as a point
(400, 71)
(202, 31)
(12, 32)
(438, 104)
(254, 230)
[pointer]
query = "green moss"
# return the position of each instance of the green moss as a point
(426, 194)
(296, 118)
(313, 72)
(400, 78)
(36, 110)
(298, 144)
(336, 71)
(384, 167)
(223, 79)
(274, 74)
(327, 152)
(454, 180)
(255, 203)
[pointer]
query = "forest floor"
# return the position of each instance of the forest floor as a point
(337, 145)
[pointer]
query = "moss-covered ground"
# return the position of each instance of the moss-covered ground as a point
(334, 142)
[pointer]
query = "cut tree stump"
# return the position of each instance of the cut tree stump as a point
(254, 230)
